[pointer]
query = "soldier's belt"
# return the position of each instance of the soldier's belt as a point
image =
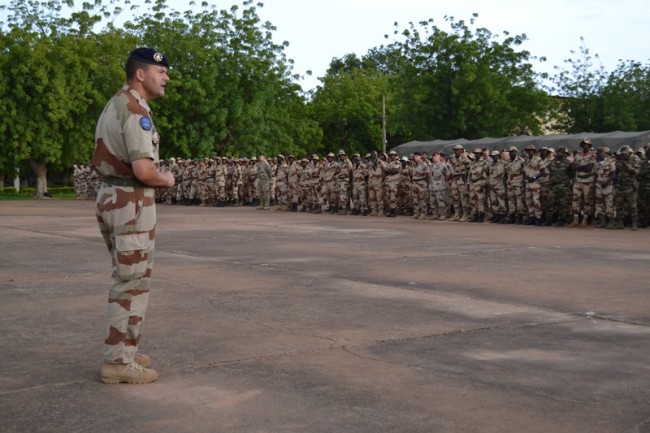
(119, 181)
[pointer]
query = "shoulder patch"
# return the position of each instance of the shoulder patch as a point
(145, 123)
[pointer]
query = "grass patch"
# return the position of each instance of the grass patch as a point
(58, 193)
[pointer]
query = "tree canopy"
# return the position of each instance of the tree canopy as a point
(233, 90)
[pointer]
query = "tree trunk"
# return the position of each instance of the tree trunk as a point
(40, 170)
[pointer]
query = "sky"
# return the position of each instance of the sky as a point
(319, 30)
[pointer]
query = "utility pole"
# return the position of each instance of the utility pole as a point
(383, 123)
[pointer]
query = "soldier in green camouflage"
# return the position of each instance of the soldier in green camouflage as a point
(626, 187)
(126, 157)
(560, 188)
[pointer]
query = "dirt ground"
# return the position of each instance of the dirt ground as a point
(266, 321)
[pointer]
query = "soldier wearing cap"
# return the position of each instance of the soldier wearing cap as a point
(460, 164)
(583, 187)
(547, 154)
(304, 198)
(516, 189)
(533, 170)
(404, 193)
(126, 157)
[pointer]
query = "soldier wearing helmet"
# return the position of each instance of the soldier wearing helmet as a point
(343, 182)
(497, 186)
(392, 174)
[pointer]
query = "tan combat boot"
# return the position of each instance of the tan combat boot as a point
(132, 373)
(464, 218)
(574, 223)
(142, 359)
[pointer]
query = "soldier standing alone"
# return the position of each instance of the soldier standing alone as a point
(126, 157)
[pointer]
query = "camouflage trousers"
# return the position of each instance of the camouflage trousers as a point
(625, 199)
(498, 203)
(315, 194)
(438, 202)
(376, 197)
(558, 198)
(295, 193)
(583, 197)
(127, 222)
(282, 193)
(263, 191)
(459, 195)
(534, 199)
(304, 198)
(359, 196)
(390, 195)
(643, 204)
(343, 186)
(404, 196)
(220, 189)
(516, 194)
(328, 195)
(604, 201)
(420, 193)
(206, 188)
(477, 195)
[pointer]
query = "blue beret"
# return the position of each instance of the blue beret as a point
(417, 153)
(149, 56)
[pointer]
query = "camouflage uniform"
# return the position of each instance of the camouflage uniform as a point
(459, 195)
(392, 172)
(304, 184)
(293, 182)
(497, 187)
(605, 171)
(420, 177)
(533, 174)
(343, 181)
(643, 197)
(404, 196)
(315, 184)
(516, 191)
(126, 213)
(376, 187)
(220, 171)
(477, 182)
(359, 187)
(282, 183)
(626, 186)
(583, 187)
(560, 188)
(263, 182)
(329, 192)
(438, 188)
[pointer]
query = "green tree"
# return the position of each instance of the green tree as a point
(464, 83)
(50, 98)
(580, 86)
(231, 91)
(626, 98)
(348, 105)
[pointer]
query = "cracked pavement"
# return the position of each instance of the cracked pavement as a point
(280, 322)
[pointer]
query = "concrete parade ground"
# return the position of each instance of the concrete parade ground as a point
(267, 321)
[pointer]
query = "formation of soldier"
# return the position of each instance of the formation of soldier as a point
(538, 187)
